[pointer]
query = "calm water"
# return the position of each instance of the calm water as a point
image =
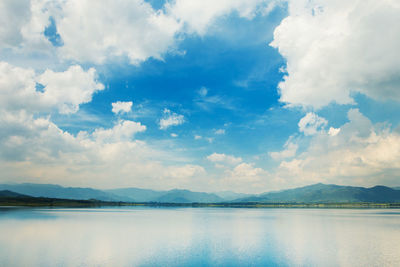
(199, 237)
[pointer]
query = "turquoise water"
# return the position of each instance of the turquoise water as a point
(199, 237)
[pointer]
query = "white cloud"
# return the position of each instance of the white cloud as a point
(197, 137)
(224, 159)
(197, 16)
(244, 177)
(174, 135)
(68, 89)
(289, 151)
(13, 15)
(121, 107)
(185, 172)
(359, 153)
(124, 130)
(311, 124)
(23, 23)
(334, 48)
(246, 172)
(333, 131)
(170, 119)
(129, 29)
(134, 29)
(64, 91)
(220, 131)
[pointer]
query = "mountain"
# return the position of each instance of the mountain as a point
(171, 196)
(229, 195)
(136, 194)
(323, 193)
(56, 191)
(121, 194)
(8, 193)
(317, 193)
(186, 196)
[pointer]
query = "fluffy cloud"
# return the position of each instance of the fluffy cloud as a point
(197, 16)
(311, 124)
(185, 172)
(121, 107)
(335, 48)
(360, 153)
(124, 130)
(289, 151)
(130, 29)
(14, 14)
(23, 23)
(68, 89)
(33, 148)
(64, 91)
(224, 159)
(170, 119)
(125, 28)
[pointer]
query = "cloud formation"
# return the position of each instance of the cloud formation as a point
(359, 153)
(121, 107)
(224, 159)
(170, 119)
(64, 91)
(311, 124)
(336, 48)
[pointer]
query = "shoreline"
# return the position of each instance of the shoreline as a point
(71, 203)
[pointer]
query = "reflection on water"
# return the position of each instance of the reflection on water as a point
(199, 236)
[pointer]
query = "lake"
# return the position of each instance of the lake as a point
(199, 237)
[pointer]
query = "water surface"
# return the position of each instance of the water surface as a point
(199, 237)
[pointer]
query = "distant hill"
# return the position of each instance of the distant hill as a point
(8, 193)
(171, 196)
(324, 193)
(229, 195)
(121, 194)
(317, 193)
(136, 194)
(56, 191)
(186, 196)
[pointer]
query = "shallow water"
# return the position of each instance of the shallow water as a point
(199, 237)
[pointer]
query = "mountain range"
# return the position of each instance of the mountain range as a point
(316, 193)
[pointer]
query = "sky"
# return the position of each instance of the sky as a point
(241, 95)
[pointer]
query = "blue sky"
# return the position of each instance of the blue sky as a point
(248, 96)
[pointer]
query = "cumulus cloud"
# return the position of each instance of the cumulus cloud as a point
(33, 148)
(23, 23)
(246, 172)
(121, 107)
(359, 153)
(124, 130)
(170, 119)
(289, 151)
(125, 28)
(64, 91)
(130, 29)
(224, 159)
(185, 171)
(68, 89)
(311, 124)
(197, 16)
(336, 48)
(14, 14)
